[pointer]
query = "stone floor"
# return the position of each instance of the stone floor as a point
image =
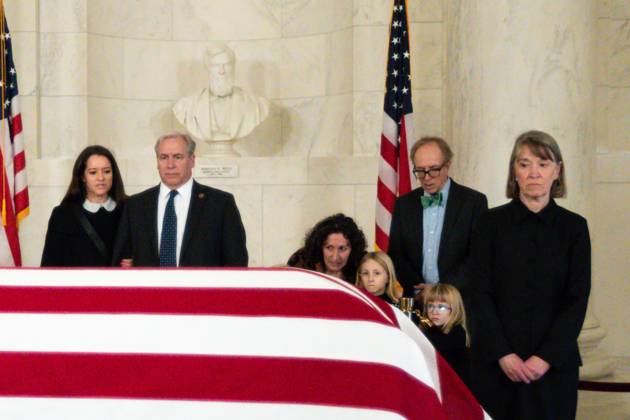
(607, 405)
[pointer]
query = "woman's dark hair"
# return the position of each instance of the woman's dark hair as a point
(297, 259)
(76, 191)
(314, 243)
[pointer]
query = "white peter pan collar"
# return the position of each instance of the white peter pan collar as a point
(108, 205)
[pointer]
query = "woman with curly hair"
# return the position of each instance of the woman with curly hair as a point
(334, 246)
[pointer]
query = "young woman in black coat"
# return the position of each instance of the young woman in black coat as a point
(81, 229)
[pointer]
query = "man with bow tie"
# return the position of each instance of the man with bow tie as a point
(430, 234)
(180, 223)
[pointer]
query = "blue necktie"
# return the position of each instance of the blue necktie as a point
(168, 240)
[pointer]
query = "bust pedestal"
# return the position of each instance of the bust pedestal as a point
(595, 365)
(221, 148)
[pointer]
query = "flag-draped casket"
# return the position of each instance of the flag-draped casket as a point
(193, 344)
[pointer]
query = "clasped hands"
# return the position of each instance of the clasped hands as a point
(523, 371)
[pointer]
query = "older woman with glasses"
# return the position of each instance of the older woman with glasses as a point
(531, 276)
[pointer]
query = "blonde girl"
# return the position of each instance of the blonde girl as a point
(376, 275)
(444, 307)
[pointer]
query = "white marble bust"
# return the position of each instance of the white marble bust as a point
(221, 111)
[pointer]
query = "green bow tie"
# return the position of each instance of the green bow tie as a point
(431, 200)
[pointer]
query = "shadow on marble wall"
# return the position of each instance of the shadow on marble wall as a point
(266, 139)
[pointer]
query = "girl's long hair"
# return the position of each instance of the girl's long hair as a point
(447, 293)
(384, 261)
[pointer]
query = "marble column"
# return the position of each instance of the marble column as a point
(516, 65)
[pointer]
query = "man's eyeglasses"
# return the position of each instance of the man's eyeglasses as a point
(440, 307)
(432, 172)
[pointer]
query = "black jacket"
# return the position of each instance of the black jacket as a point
(214, 235)
(69, 245)
(452, 347)
(463, 208)
(531, 282)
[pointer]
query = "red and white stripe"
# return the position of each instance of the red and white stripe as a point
(263, 343)
(394, 173)
(15, 189)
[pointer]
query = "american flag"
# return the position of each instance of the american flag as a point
(395, 172)
(198, 344)
(13, 185)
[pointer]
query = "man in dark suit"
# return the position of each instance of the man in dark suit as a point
(431, 228)
(180, 222)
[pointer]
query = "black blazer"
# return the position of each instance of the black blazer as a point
(463, 207)
(69, 245)
(214, 235)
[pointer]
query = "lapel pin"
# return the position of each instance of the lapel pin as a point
(201, 195)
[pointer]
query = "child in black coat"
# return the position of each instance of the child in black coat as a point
(444, 307)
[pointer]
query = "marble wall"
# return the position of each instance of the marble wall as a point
(611, 220)
(108, 72)
(505, 78)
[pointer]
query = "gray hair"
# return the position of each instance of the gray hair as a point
(544, 146)
(190, 143)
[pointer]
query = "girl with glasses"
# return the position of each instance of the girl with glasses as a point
(444, 307)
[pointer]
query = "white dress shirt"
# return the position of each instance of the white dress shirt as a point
(182, 203)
